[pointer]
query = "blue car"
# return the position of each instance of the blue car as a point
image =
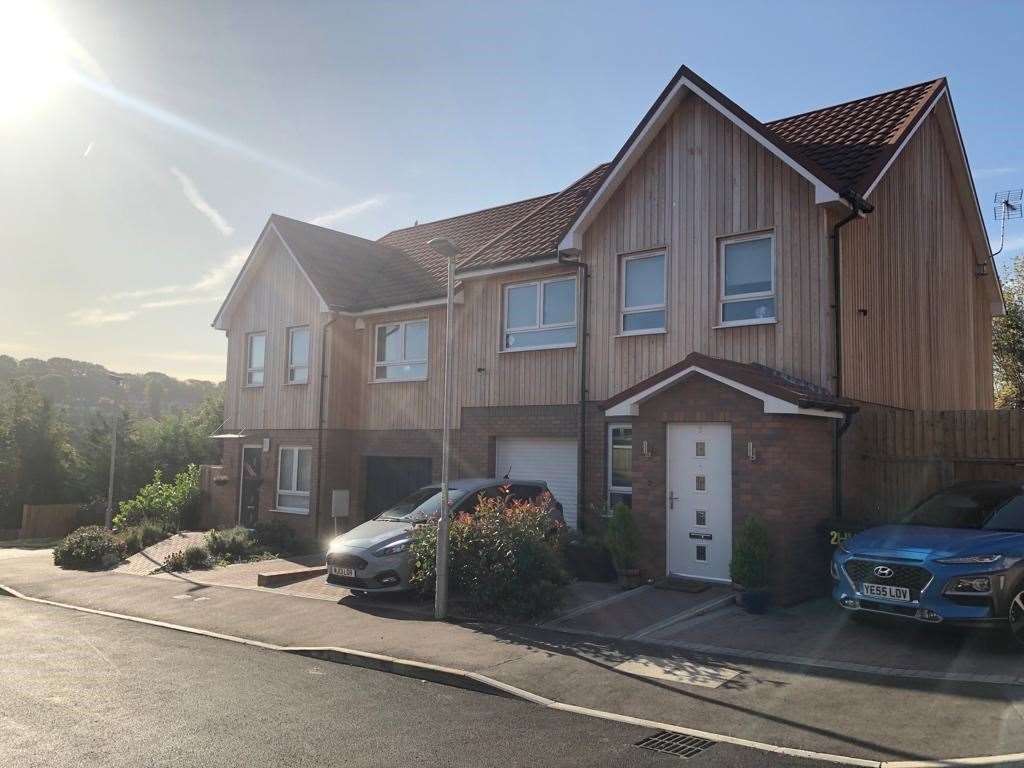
(956, 558)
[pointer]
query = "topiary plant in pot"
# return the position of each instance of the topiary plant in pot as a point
(623, 541)
(749, 567)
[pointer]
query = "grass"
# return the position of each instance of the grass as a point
(29, 543)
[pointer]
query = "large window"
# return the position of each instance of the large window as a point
(401, 353)
(748, 280)
(643, 293)
(541, 314)
(298, 355)
(294, 471)
(620, 465)
(255, 356)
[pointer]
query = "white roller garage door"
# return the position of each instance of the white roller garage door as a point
(550, 459)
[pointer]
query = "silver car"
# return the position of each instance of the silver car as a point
(375, 555)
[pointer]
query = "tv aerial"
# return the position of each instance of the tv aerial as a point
(1007, 205)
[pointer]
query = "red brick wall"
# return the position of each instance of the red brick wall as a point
(789, 485)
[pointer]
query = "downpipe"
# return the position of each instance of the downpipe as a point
(583, 270)
(320, 423)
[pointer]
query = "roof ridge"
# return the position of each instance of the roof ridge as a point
(529, 215)
(340, 232)
(827, 107)
(468, 213)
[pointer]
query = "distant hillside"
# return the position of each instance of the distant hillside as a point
(83, 388)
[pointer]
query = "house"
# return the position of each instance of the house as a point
(669, 331)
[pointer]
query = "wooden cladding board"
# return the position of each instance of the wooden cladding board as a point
(917, 328)
(701, 179)
(277, 298)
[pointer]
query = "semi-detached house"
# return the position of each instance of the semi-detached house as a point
(669, 331)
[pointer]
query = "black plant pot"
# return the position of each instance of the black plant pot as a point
(755, 600)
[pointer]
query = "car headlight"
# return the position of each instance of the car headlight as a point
(970, 560)
(393, 549)
(843, 548)
(971, 585)
(335, 546)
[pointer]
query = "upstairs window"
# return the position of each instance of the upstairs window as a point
(643, 293)
(540, 314)
(298, 355)
(748, 280)
(255, 355)
(294, 473)
(620, 465)
(401, 353)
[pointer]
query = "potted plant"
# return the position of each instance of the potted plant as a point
(749, 567)
(623, 541)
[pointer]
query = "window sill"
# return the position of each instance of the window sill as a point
(252, 386)
(742, 323)
(291, 511)
(536, 349)
(652, 332)
(296, 383)
(397, 381)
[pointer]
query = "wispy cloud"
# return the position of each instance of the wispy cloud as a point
(345, 212)
(197, 201)
(181, 301)
(988, 173)
(95, 317)
(88, 150)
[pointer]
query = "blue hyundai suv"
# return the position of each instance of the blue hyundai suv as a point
(957, 557)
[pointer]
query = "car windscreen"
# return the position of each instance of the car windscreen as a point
(998, 508)
(420, 505)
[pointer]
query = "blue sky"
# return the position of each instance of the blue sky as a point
(130, 197)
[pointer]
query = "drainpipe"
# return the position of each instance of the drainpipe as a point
(858, 208)
(581, 427)
(320, 423)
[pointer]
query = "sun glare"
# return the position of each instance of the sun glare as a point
(35, 54)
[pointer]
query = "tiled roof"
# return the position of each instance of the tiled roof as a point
(351, 273)
(801, 393)
(469, 232)
(538, 234)
(854, 141)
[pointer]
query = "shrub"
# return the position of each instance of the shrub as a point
(192, 556)
(233, 544)
(750, 555)
(503, 559)
(275, 535)
(140, 536)
(622, 537)
(89, 547)
(163, 503)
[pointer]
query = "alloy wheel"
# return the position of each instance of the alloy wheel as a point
(1017, 617)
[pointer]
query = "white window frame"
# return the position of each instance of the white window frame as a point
(249, 369)
(619, 489)
(295, 478)
(404, 361)
(539, 324)
(723, 299)
(663, 306)
(290, 367)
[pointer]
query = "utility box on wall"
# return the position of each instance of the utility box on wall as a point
(339, 503)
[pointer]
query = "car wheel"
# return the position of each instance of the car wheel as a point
(1017, 617)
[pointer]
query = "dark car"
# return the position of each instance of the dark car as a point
(957, 557)
(375, 555)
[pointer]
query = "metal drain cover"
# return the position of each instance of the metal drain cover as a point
(678, 744)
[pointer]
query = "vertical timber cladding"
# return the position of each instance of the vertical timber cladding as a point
(916, 320)
(701, 179)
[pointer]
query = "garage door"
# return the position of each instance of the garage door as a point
(552, 460)
(390, 479)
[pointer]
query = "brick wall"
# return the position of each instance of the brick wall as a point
(789, 485)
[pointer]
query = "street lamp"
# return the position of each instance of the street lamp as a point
(446, 248)
(108, 517)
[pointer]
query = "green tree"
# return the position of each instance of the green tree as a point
(1008, 342)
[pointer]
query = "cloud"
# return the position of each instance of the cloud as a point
(197, 201)
(187, 357)
(348, 211)
(988, 173)
(95, 317)
(181, 301)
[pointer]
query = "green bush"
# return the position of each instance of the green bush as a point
(191, 557)
(234, 544)
(162, 503)
(751, 555)
(503, 559)
(143, 535)
(89, 547)
(275, 535)
(622, 538)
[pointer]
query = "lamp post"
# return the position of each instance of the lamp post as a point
(444, 247)
(109, 516)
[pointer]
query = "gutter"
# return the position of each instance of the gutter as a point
(859, 207)
(581, 427)
(320, 422)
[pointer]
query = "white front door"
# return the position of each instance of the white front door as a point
(699, 500)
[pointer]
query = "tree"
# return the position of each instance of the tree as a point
(1008, 342)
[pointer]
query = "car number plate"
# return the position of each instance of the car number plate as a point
(346, 572)
(886, 592)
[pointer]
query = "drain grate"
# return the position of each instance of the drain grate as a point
(678, 744)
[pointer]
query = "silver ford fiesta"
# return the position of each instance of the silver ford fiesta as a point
(375, 555)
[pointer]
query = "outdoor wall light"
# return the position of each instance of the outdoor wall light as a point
(645, 449)
(751, 452)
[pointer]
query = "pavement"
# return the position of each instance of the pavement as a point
(79, 689)
(869, 716)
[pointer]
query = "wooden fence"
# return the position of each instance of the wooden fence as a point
(893, 458)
